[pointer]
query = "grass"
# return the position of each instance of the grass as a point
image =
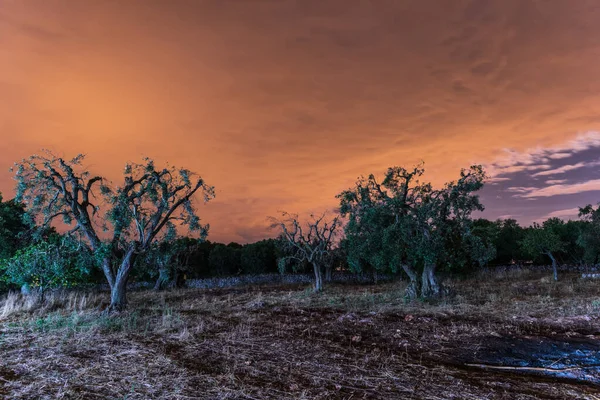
(283, 342)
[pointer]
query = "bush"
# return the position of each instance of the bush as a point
(59, 261)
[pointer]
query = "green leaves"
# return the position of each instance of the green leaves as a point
(542, 239)
(58, 261)
(150, 205)
(13, 226)
(404, 220)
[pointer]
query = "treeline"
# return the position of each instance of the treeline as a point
(26, 253)
(398, 224)
(32, 257)
(553, 241)
(35, 257)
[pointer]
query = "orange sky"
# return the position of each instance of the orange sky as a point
(282, 104)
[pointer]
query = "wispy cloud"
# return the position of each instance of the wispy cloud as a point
(498, 179)
(555, 181)
(505, 216)
(566, 168)
(569, 213)
(537, 158)
(520, 189)
(555, 190)
(558, 156)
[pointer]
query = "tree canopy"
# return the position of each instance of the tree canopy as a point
(544, 239)
(405, 223)
(119, 222)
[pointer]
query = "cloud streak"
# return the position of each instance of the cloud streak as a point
(566, 214)
(556, 190)
(566, 168)
(537, 158)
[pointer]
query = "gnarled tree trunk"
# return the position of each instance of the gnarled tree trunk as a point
(163, 278)
(328, 269)
(118, 290)
(118, 296)
(318, 277)
(429, 284)
(554, 266)
(412, 290)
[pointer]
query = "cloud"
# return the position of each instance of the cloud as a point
(555, 181)
(556, 190)
(329, 91)
(498, 179)
(520, 189)
(513, 169)
(505, 216)
(568, 214)
(566, 168)
(537, 158)
(558, 156)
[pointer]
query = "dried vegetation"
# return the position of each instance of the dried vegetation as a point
(284, 342)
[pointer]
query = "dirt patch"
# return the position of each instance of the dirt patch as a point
(286, 343)
(6, 375)
(199, 360)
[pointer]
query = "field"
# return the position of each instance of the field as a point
(514, 335)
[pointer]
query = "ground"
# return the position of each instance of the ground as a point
(502, 336)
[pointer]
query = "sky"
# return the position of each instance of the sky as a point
(282, 104)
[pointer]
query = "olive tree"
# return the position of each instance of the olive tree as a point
(170, 259)
(589, 238)
(544, 240)
(118, 222)
(380, 224)
(402, 222)
(311, 242)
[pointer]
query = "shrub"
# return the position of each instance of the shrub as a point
(59, 261)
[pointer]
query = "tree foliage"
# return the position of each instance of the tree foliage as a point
(405, 223)
(118, 222)
(589, 238)
(225, 260)
(13, 227)
(544, 239)
(259, 257)
(56, 261)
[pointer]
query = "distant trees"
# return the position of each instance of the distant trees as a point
(397, 224)
(170, 262)
(510, 235)
(146, 207)
(311, 242)
(13, 227)
(171, 259)
(225, 260)
(259, 257)
(405, 223)
(544, 239)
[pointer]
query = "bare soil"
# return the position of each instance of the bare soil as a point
(498, 337)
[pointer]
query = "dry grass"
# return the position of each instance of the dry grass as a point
(283, 342)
